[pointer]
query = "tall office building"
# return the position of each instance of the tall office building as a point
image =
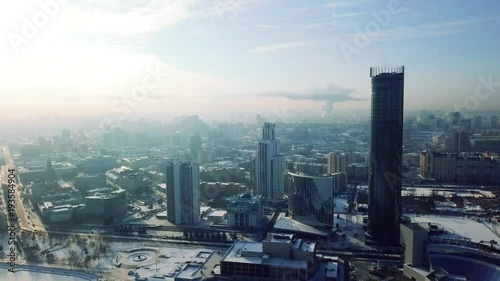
(183, 193)
(195, 146)
(386, 148)
(311, 199)
(269, 165)
(478, 122)
(493, 122)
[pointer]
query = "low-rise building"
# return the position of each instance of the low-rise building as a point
(87, 182)
(217, 216)
(126, 178)
(245, 211)
(97, 164)
(60, 213)
(281, 257)
(107, 203)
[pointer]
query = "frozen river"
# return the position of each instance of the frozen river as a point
(33, 272)
(28, 275)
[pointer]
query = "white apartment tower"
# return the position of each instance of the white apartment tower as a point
(337, 163)
(269, 165)
(183, 193)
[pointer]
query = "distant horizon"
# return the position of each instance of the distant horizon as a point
(215, 57)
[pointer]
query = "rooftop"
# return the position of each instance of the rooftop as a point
(288, 224)
(235, 255)
(415, 226)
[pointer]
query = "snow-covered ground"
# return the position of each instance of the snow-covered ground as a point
(459, 227)
(340, 205)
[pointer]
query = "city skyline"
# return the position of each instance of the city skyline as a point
(250, 140)
(240, 56)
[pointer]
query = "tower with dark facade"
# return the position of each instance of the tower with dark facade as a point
(386, 148)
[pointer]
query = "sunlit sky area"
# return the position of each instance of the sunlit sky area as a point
(216, 57)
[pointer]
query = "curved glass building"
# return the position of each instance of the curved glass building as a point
(311, 199)
(386, 148)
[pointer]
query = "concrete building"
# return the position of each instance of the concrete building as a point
(493, 121)
(269, 166)
(337, 163)
(61, 211)
(97, 164)
(195, 146)
(106, 204)
(464, 168)
(490, 144)
(357, 172)
(310, 199)
(39, 188)
(339, 181)
(183, 193)
(386, 149)
(414, 240)
(245, 211)
(478, 122)
(126, 178)
(460, 142)
(32, 172)
(217, 216)
(281, 257)
(87, 182)
(136, 163)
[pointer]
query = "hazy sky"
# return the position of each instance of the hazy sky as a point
(217, 57)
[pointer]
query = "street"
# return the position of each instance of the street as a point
(22, 214)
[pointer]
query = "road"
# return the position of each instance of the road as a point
(360, 254)
(21, 213)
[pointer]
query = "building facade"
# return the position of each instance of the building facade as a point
(269, 166)
(311, 199)
(106, 204)
(87, 182)
(386, 149)
(281, 257)
(337, 163)
(460, 168)
(245, 211)
(183, 193)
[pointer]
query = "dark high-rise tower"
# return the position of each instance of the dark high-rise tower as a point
(386, 148)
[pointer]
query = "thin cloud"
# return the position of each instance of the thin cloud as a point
(316, 25)
(348, 15)
(350, 3)
(280, 47)
(267, 26)
(429, 29)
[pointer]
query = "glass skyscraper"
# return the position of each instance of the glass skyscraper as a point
(386, 148)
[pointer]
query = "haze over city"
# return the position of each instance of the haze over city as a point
(232, 59)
